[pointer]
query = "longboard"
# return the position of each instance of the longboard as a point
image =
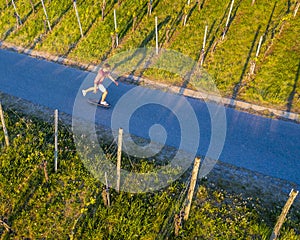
(96, 102)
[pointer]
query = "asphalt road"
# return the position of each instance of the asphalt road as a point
(271, 147)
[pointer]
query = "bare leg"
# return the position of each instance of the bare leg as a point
(104, 96)
(89, 89)
(85, 91)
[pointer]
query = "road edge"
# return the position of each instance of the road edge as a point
(231, 178)
(228, 102)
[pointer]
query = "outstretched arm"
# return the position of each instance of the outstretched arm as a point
(113, 80)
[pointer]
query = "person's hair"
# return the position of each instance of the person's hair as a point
(106, 65)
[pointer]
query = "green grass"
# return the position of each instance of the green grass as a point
(34, 28)
(7, 18)
(275, 82)
(228, 65)
(70, 204)
(96, 45)
(277, 79)
(67, 32)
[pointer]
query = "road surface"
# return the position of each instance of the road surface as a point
(267, 146)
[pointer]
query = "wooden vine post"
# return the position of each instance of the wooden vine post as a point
(185, 14)
(5, 225)
(293, 194)
(253, 62)
(45, 12)
(55, 138)
(228, 19)
(168, 30)
(45, 26)
(103, 9)
(149, 11)
(3, 126)
(32, 6)
(104, 197)
(203, 46)
(134, 18)
(259, 46)
(253, 1)
(107, 190)
(119, 157)
(45, 171)
(192, 188)
(156, 36)
(178, 218)
(19, 21)
(116, 27)
(77, 16)
(44, 167)
(296, 8)
(113, 40)
(200, 5)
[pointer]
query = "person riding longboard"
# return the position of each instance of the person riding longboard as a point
(98, 84)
